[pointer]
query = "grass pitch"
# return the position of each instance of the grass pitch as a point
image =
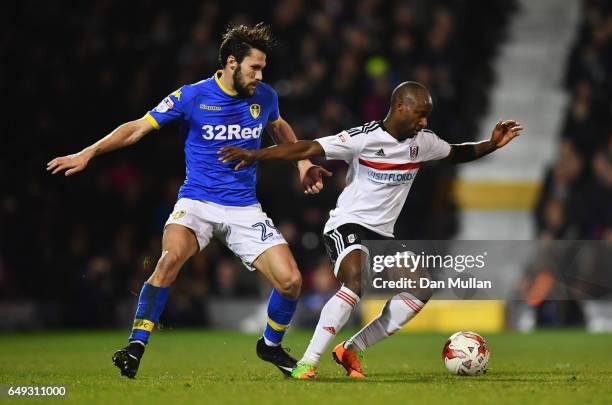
(221, 367)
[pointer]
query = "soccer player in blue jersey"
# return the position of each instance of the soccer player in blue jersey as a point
(230, 108)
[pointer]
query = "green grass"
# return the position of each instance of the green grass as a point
(221, 367)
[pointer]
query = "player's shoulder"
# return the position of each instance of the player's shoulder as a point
(265, 95)
(427, 135)
(193, 89)
(266, 89)
(187, 92)
(365, 129)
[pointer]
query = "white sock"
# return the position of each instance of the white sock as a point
(400, 309)
(269, 342)
(334, 316)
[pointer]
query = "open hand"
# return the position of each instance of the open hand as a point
(229, 153)
(504, 132)
(71, 163)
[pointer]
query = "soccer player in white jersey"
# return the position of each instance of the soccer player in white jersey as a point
(230, 108)
(384, 158)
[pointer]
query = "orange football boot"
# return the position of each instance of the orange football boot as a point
(350, 360)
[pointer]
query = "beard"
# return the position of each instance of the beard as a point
(240, 86)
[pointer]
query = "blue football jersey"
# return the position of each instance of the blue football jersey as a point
(211, 117)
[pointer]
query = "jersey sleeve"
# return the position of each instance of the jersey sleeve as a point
(434, 147)
(274, 114)
(342, 146)
(169, 109)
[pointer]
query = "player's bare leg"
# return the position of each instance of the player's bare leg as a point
(279, 267)
(178, 244)
(334, 316)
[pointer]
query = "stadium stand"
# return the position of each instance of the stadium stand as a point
(94, 238)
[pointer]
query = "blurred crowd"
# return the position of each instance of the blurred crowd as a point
(82, 245)
(576, 199)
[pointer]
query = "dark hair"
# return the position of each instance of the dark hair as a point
(238, 41)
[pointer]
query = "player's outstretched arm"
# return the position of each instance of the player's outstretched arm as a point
(311, 176)
(125, 135)
(502, 134)
(287, 151)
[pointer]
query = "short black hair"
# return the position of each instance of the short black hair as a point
(407, 91)
(239, 39)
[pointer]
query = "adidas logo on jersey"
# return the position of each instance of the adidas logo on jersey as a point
(380, 153)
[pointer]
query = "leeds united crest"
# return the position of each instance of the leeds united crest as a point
(255, 110)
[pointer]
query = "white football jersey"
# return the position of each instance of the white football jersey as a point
(380, 174)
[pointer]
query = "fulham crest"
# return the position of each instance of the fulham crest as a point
(414, 151)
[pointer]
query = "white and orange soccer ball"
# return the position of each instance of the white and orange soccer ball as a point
(466, 353)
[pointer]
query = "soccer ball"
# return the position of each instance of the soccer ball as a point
(466, 353)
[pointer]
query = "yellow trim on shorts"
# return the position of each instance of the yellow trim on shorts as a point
(152, 120)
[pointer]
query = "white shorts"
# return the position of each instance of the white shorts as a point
(247, 231)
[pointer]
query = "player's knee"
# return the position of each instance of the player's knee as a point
(166, 270)
(291, 285)
(349, 273)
